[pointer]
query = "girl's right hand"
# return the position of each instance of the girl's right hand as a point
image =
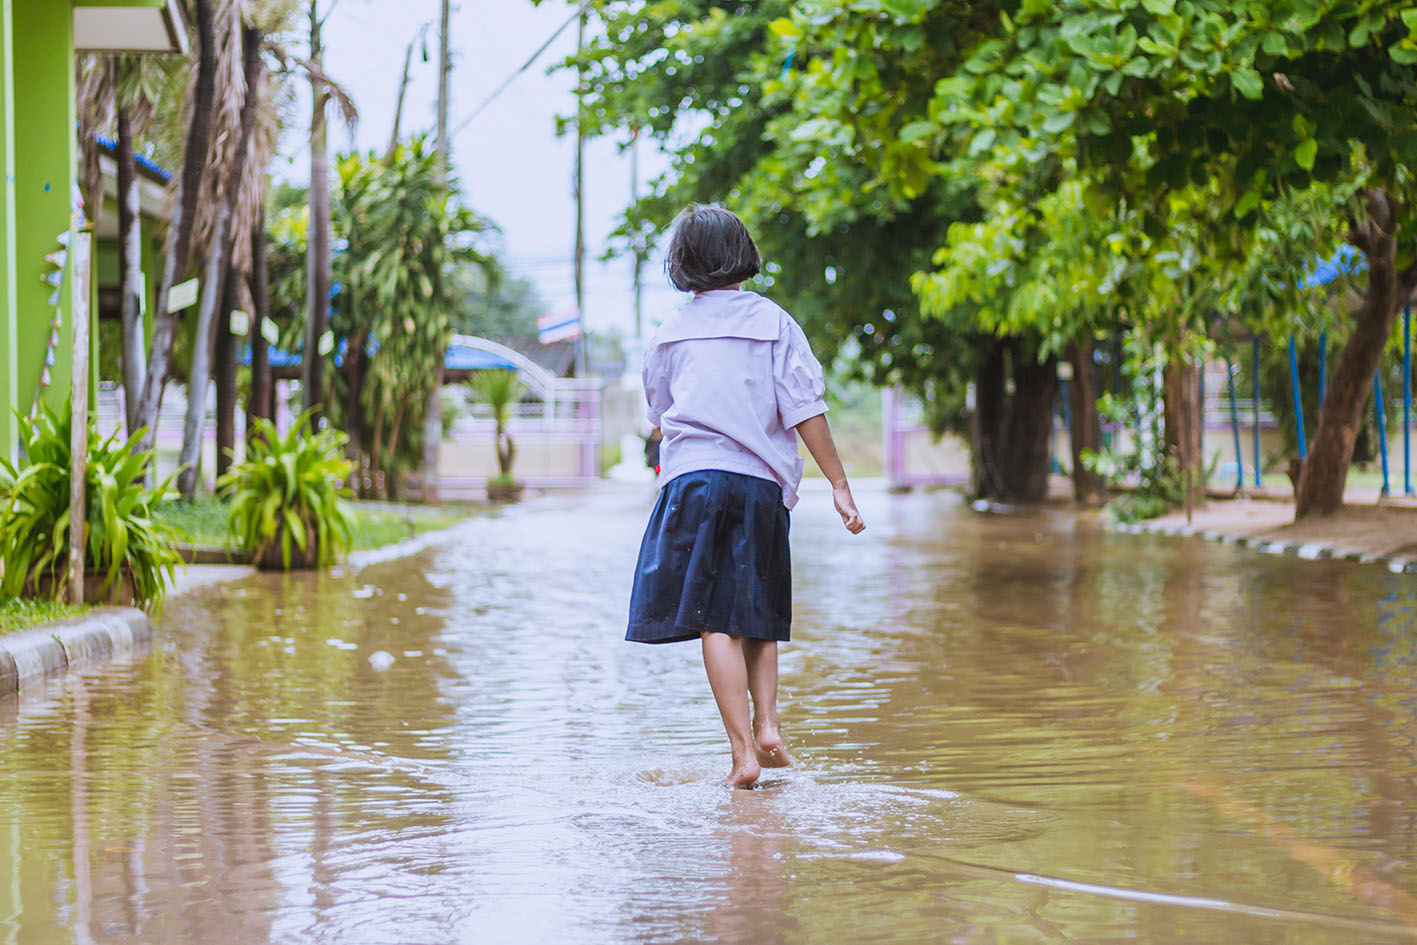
(846, 508)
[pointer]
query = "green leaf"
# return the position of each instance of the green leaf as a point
(916, 130)
(1246, 203)
(1159, 7)
(1304, 154)
(1058, 121)
(904, 9)
(1249, 83)
(785, 28)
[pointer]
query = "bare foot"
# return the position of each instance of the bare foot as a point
(744, 774)
(772, 753)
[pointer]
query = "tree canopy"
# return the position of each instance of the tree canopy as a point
(925, 175)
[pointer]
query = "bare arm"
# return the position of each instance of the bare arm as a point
(817, 434)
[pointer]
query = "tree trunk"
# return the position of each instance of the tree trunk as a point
(354, 387)
(433, 436)
(1088, 487)
(1028, 428)
(260, 402)
(218, 262)
(179, 240)
(1183, 417)
(317, 247)
(130, 265)
(224, 355)
(1324, 473)
(987, 425)
(1013, 423)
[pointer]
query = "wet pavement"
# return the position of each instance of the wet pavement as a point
(1009, 728)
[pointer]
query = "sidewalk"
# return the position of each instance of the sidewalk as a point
(1370, 527)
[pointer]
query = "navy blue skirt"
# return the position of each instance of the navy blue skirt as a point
(714, 558)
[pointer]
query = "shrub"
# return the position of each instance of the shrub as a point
(123, 537)
(290, 493)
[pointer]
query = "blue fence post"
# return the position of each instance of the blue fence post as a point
(1255, 354)
(1323, 367)
(1406, 399)
(1298, 402)
(1382, 428)
(1235, 427)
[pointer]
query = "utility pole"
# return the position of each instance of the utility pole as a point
(637, 240)
(579, 188)
(433, 416)
(317, 249)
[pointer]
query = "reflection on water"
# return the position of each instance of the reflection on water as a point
(1009, 728)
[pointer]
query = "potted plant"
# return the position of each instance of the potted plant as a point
(130, 554)
(501, 389)
(288, 498)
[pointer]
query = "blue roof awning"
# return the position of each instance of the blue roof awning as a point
(458, 358)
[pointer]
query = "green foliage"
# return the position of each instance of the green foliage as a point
(201, 520)
(500, 390)
(290, 490)
(18, 613)
(924, 174)
(123, 536)
(1158, 483)
(405, 236)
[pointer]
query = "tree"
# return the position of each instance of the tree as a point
(216, 291)
(1241, 98)
(186, 184)
(122, 93)
(804, 127)
(406, 237)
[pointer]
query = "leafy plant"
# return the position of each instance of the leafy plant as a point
(500, 389)
(123, 535)
(290, 491)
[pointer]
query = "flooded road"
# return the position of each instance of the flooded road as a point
(1009, 728)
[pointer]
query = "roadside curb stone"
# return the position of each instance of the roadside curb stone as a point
(1307, 551)
(53, 648)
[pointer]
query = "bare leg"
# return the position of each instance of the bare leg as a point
(761, 657)
(728, 677)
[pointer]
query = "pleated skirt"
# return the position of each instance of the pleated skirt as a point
(714, 557)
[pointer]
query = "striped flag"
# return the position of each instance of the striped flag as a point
(558, 326)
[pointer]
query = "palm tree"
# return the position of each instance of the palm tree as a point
(122, 93)
(228, 94)
(201, 93)
(501, 390)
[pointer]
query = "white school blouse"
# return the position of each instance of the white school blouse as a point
(727, 378)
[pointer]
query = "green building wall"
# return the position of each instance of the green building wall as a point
(43, 133)
(9, 313)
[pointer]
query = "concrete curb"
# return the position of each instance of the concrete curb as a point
(1308, 551)
(53, 648)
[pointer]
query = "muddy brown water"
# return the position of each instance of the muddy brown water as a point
(1010, 728)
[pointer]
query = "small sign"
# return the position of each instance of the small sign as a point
(183, 295)
(240, 322)
(270, 331)
(327, 343)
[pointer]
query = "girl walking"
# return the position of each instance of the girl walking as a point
(731, 384)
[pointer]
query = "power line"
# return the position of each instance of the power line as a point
(502, 87)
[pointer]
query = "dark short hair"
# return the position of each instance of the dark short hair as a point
(709, 249)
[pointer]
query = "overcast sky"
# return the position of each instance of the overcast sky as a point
(512, 166)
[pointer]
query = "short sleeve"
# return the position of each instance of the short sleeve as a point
(656, 381)
(797, 377)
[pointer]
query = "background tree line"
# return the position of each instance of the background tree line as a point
(971, 192)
